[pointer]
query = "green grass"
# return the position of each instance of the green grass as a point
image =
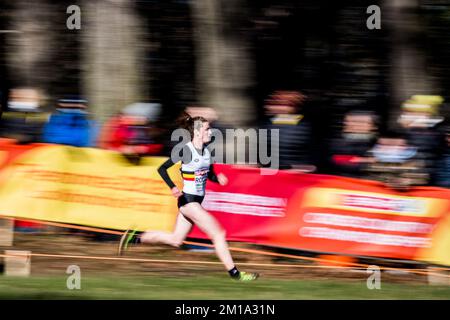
(208, 287)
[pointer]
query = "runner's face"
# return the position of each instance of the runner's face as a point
(205, 132)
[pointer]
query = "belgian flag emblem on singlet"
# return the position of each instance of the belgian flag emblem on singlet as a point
(188, 175)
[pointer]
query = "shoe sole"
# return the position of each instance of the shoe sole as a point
(256, 277)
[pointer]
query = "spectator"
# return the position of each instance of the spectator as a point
(396, 163)
(419, 119)
(283, 109)
(349, 151)
(443, 168)
(23, 118)
(70, 124)
(132, 132)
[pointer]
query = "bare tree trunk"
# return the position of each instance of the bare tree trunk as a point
(224, 67)
(114, 44)
(29, 44)
(408, 74)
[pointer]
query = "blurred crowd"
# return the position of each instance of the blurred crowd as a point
(130, 132)
(412, 152)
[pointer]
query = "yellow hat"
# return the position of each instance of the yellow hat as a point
(423, 103)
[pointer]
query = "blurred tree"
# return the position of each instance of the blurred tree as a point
(408, 72)
(114, 74)
(39, 50)
(225, 71)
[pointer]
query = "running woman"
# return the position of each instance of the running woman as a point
(196, 168)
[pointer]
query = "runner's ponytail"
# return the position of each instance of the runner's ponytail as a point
(185, 121)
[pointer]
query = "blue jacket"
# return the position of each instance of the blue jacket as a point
(70, 127)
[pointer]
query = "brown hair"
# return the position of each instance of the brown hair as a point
(286, 98)
(185, 121)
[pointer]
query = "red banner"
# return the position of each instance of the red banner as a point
(331, 214)
(319, 213)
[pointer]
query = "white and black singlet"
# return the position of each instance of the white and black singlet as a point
(196, 168)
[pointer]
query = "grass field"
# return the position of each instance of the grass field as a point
(208, 287)
(111, 279)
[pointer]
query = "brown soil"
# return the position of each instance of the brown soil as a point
(76, 244)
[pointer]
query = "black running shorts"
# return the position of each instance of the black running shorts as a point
(186, 198)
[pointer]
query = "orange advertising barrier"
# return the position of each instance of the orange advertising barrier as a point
(9, 151)
(85, 186)
(331, 214)
(326, 214)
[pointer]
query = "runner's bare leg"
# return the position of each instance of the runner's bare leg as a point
(209, 225)
(175, 238)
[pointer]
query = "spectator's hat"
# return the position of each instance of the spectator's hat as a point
(75, 102)
(150, 111)
(423, 103)
(287, 98)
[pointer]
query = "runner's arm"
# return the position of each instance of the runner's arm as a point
(212, 175)
(162, 170)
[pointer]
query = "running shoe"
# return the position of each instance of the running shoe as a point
(246, 276)
(129, 237)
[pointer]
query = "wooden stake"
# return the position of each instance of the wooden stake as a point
(435, 280)
(17, 263)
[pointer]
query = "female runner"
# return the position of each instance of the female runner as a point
(196, 168)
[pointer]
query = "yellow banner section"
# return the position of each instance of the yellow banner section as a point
(88, 187)
(421, 207)
(371, 202)
(439, 252)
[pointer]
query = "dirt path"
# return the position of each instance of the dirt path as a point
(70, 244)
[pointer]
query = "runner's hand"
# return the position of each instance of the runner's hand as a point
(176, 193)
(223, 180)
